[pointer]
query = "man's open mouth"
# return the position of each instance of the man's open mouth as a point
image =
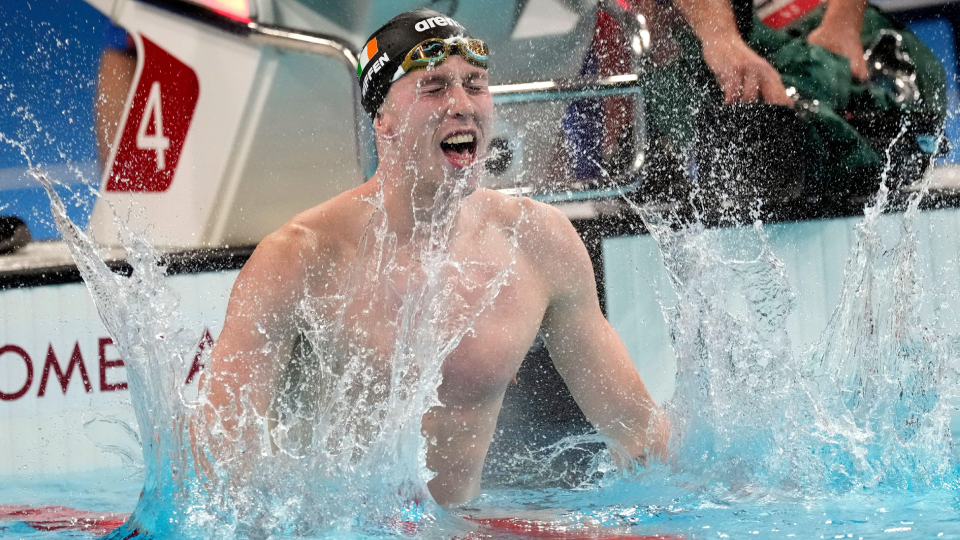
(460, 149)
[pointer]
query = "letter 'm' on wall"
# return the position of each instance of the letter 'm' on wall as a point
(63, 376)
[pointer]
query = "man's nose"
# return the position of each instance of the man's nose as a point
(460, 103)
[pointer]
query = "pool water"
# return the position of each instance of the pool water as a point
(666, 508)
(87, 500)
(654, 506)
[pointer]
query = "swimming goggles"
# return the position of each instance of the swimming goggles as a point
(435, 51)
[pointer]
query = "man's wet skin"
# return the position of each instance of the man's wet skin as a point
(431, 131)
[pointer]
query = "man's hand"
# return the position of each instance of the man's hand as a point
(844, 41)
(743, 74)
(839, 32)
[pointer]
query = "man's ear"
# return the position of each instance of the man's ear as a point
(383, 123)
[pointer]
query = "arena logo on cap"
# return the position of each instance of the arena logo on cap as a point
(433, 22)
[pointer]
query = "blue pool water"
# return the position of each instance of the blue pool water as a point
(103, 491)
(649, 507)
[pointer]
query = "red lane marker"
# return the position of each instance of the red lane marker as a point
(62, 518)
(546, 529)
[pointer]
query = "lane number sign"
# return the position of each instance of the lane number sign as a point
(155, 124)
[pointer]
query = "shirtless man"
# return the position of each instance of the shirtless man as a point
(439, 120)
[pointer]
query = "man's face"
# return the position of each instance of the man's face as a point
(438, 120)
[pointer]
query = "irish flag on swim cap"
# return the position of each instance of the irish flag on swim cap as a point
(368, 52)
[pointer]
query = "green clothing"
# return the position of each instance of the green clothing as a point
(837, 151)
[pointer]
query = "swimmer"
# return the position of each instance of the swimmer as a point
(440, 119)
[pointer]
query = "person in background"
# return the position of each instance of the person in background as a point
(118, 64)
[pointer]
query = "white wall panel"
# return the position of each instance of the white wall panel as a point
(814, 254)
(40, 434)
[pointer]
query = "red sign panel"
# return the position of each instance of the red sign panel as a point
(156, 124)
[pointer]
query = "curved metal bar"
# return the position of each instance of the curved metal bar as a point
(565, 89)
(303, 41)
(266, 34)
(586, 195)
(627, 84)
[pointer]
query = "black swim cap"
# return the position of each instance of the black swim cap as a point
(387, 47)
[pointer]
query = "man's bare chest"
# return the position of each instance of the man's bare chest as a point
(478, 317)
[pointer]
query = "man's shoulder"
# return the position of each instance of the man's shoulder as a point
(307, 239)
(321, 228)
(291, 241)
(557, 254)
(544, 233)
(524, 214)
(545, 228)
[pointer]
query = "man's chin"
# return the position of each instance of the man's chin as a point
(469, 176)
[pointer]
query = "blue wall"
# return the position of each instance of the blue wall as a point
(938, 34)
(49, 56)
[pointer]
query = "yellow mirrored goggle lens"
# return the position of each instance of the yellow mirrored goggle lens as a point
(475, 48)
(429, 51)
(435, 51)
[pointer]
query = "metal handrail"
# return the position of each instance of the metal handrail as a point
(565, 89)
(638, 37)
(267, 34)
(328, 45)
(568, 90)
(303, 41)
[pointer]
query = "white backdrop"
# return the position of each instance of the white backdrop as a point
(814, 254)
(45, 433)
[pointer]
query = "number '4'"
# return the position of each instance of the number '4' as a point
(157, 141)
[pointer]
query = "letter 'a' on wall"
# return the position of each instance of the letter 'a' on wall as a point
(153, 128)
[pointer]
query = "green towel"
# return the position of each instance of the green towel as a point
(675, 93)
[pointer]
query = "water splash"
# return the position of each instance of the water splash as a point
(341, 451)
(866, 407)
(342, 454)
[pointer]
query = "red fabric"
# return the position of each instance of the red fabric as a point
(613, 58)
(62, 518)
(789, 13)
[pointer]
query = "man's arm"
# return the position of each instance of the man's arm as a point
(588, 353)
(839, 32)
(257, 339)
(742, 73)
